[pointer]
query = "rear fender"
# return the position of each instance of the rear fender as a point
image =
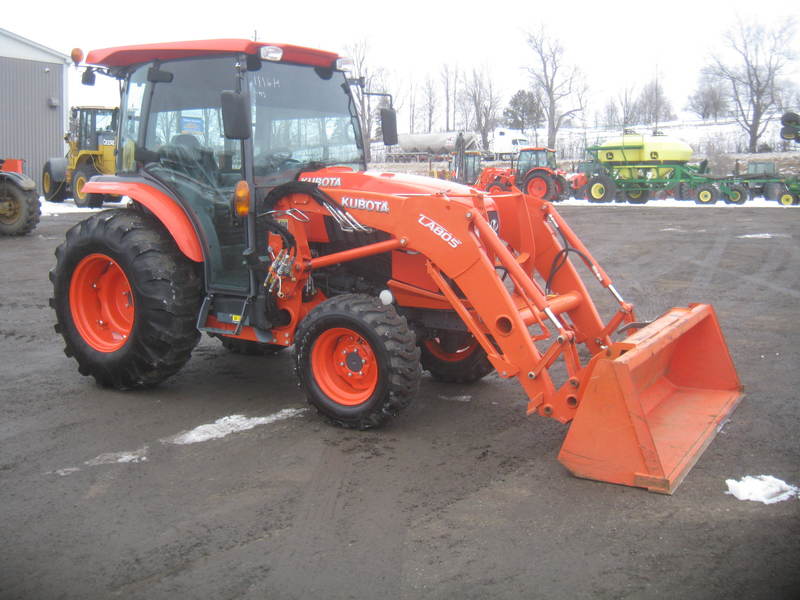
(165, 208)
(21, 180)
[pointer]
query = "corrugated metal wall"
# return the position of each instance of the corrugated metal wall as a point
(31, 113)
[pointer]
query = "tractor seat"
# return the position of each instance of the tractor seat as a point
(195, 158)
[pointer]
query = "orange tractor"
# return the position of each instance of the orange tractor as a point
(253, 219)
(535, 173)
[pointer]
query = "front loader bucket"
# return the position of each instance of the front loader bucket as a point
(653, 403)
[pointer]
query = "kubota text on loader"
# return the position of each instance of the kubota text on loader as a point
(254, 219)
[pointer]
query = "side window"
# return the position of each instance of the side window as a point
(129, 127)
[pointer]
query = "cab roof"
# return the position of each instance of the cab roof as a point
(123, 56)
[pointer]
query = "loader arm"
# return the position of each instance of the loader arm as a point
(463, 255)
(643, 408)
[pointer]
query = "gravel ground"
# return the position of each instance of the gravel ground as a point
(459, 497)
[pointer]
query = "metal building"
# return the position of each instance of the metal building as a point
(33, 101)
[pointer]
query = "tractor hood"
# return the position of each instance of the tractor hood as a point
(380, 182)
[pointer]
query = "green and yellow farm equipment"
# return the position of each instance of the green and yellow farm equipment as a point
(92, 143)
(763, 179)
(635, 167)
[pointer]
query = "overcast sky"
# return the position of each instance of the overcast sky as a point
(616, 44)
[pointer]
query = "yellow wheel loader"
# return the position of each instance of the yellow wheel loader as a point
(92, 143)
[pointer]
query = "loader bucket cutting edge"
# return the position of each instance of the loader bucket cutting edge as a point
(654, 403)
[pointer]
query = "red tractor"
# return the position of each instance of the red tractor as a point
(535, 173)
(254, 219)
(19, 202)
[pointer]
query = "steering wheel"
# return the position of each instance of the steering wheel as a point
(277, 160)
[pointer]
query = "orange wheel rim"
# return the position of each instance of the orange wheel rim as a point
(344, 366)
(101, 303)
(537, 187)
(434, 346)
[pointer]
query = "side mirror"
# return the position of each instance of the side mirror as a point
(236, 115)
(389, 126)
(88, 77)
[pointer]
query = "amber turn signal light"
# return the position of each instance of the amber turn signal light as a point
(76, 55)
(241, 199)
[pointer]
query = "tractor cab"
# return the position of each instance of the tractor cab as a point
(467, 167)
(531, 158)
(200, 126)
(91, 128)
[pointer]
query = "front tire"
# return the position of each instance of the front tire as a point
(706, 195)
(601, 188)
(126, 299)
(357, 360)
(637, 196)
(80, 178)
(737, 194)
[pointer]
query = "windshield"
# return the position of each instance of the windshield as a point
(302, 117)
(528, 159)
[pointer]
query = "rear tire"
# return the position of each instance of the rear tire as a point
(20, 210)
(540, 185)
(126, 299)
(357, 360)
(468, 364)
(52, 190)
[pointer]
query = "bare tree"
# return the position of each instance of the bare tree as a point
(412, 107)
(609, 117)
(759, 57)
(554, 80)
(429, 102)
(372, 80)
(710, 99)
(483, 102)
(653, 105)
(447, 75)
(629, 107)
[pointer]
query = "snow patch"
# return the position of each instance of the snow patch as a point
(763, 488)
(228, 425)
(763, 236)
(126, 456)
(65, 472)
(53, 209)
(671, 203)
(456, 398)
